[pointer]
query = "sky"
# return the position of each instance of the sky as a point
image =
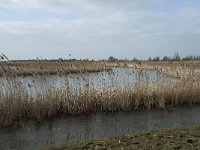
(97, 29)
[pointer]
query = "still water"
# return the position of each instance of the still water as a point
(95, 126)
(115, 78)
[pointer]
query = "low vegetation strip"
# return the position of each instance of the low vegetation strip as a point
(187, 138)
(44, 67)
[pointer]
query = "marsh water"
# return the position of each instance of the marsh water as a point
(115, 78)
(95, 126)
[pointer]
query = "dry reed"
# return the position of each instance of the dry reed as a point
(16, 104)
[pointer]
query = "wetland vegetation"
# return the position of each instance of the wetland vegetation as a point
(42, 90)
(18, 104)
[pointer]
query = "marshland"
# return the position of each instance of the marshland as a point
(59, 93)
(97, 74)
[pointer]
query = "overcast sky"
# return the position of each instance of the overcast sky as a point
(97, 29)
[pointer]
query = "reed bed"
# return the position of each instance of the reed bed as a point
(18, 105)
(47, 67)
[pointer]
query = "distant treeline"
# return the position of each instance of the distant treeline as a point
(176, 57)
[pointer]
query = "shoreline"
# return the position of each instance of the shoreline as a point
(186, 137)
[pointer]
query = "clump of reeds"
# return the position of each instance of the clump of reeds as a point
(16, 103)
(50, 67)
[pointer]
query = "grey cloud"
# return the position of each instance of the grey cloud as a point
(47, 5)
(116, 28)
(78, 5)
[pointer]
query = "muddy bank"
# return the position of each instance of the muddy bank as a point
(179, 138)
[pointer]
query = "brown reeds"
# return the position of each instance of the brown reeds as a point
(16, 104)
(47, 67)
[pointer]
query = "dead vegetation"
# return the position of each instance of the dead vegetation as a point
(16, 103)
(44, 67)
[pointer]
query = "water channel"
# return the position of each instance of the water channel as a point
(94, 126)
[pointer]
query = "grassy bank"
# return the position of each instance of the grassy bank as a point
(184, 138)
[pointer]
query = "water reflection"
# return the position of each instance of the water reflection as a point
(95, 126)
(115, 78)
